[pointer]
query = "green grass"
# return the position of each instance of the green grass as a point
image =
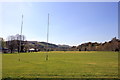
(69, 64)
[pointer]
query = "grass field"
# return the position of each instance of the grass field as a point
(69, 64)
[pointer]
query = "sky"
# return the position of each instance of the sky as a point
(71, 23)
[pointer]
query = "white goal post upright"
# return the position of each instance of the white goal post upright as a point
(47, 38)
(20, 37)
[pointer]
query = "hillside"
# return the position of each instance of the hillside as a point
(43, 45)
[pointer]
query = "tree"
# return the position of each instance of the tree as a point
(3, 44)
(20, 42)
(11, 44)
(16, 43)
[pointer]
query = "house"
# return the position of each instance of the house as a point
(31, 50)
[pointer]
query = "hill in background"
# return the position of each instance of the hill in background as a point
(28, 46)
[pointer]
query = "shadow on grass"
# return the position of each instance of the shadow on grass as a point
(60, 78)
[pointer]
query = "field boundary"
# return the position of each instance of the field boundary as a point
(60, 78)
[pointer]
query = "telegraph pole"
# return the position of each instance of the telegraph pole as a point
(20, 37)
(47, 38)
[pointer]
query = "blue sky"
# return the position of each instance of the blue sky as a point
(71, 23)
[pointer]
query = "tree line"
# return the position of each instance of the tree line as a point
(17, 43)
(14, 43)
(113, 45)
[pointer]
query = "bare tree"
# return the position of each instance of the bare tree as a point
(13, 43)
(20, 42)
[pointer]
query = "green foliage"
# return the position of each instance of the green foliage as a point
(60, 64)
